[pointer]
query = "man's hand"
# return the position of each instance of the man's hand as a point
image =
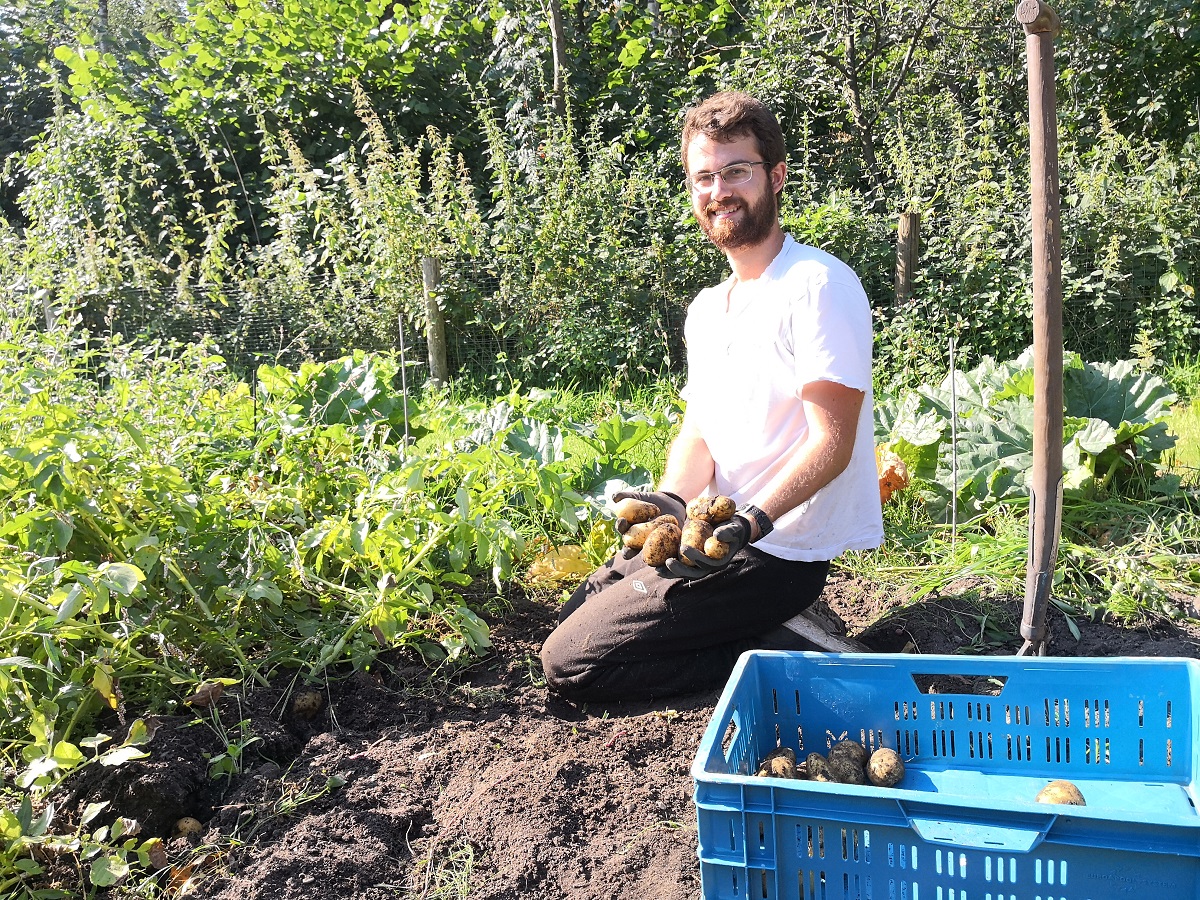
(668, 505)
(744, 528)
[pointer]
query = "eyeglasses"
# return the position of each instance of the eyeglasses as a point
(731, 176)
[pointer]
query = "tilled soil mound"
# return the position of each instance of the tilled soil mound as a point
(481, 784)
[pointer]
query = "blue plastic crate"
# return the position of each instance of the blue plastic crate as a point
(980, 737)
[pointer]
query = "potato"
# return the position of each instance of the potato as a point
(885, 768)
(1061, 792)
(187, 826)
(817, 767)
(663, 544)
(845, 769)
(713, 510)
(636, 511)
(715, 549)
(635, 537)
(779, 763)
(307, 704)
(850, 749)
(695, 533)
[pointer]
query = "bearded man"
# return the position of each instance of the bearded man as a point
(778, 418)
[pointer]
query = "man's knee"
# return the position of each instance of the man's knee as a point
(559, 666)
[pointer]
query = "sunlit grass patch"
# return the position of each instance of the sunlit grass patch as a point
(1184, 457)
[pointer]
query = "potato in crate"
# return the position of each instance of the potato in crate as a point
(979, 738)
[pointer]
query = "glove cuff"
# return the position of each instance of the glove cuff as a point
(674, 497)
(765, 525)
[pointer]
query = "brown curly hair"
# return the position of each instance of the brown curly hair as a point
(730, 115)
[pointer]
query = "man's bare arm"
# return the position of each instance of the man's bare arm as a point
(832, 411)
(690, 465)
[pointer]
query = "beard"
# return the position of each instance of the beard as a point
(752, 227)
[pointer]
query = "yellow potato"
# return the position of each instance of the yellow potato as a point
(635, 537)
(779, 763)
(715, 549)
(663, 544)
(188, 826)
(713, 510)
(695, 533)
(1061, 792)
(307, 704)
(636, 511)
(885, 768)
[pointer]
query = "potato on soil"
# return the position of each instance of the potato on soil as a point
(845, 769)
(885, 768)
(663, 544)
(635, 537)
(636, 511)
(695, 533)
(1061, 792)
(851, 749)
(307, 704)
(187, 826)
(779, 763)
(713, 510)
(817, 767)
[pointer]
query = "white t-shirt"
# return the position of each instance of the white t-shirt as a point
(805, 319)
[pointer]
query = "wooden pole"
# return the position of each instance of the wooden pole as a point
(1042, 25)
(558, 50)
(908, 251)
(435, 327)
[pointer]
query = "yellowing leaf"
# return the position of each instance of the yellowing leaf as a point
(103, 683)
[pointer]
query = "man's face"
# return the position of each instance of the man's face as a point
(738, 216)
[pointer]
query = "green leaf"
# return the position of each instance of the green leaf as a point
(536, 440)
(10, 825)
(118, 756)
(122, 578)
(67, 755)
(108, 870)
(632, 53)
(92, 810)
(69, 602)
(1116, 392)
(141, 732)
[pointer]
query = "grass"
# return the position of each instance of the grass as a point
(1184, 458)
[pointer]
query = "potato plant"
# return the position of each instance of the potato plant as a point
(161, 526)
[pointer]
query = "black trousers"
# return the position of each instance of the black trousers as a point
(630, 633)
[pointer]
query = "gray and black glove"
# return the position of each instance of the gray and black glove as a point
(735, 534)
(668, 505)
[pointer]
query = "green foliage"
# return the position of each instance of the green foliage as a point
(971, 440)
(160, 525)
(591, 272)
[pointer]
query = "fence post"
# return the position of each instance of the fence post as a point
(908, 251)
(435, 329)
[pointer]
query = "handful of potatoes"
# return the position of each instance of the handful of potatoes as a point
(661, 538)
(847, 762)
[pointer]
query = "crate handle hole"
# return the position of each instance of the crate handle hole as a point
(974, 685)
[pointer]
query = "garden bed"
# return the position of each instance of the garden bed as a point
(486, 786)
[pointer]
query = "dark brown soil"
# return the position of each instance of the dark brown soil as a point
(480, 784)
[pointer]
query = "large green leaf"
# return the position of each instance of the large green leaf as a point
(1116, 392)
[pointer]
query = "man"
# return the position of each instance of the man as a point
(778, 418)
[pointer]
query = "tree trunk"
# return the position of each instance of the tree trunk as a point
(558, 49)
(435, 327)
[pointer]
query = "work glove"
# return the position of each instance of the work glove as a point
(668, 505)
(736, 533)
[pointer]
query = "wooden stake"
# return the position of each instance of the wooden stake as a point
(1042, 25)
